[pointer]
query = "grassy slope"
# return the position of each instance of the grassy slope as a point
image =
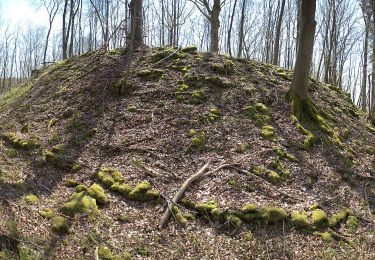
(71, 103)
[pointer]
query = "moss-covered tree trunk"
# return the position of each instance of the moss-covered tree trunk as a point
(298, 92)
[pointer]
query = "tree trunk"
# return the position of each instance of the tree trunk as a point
(364, 71)
(230, 29)
(300, 82)
(276, 48)
(241, 32)
(136, 22)
(215, 25)
(64, 38)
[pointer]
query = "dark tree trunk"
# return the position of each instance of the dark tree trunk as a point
(276, 48)
(136, 22)
(215, 25)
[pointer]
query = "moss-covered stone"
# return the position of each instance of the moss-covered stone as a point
(19, 142)
(268, 132)
(319, 217)
(179, 217)
(258, 170)
(56, 160)
(151, 74)
(260, 113)
(198, 141)
(352, 223)
(189, 216)
(225, 68)
(370, 150)
(76, 167)
(108, 181)
(97, 192)
(80, 188)
(249, 207)
(58, 149)
(124, 189)
(71, 183)
(233, 221)
(80, 203)
(197, 97)
(123, 218)
(105, 253)
(189, 49)
(273, 177)
(31, 199)
(59, 225)
(300, 220)
(143, 192)
(206, 208)
(273, 214)
(47, 213)
(326, 236)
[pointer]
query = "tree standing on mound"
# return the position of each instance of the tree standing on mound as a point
(298, 92)
(136, 19)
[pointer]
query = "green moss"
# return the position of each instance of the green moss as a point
(117, 176)
(81, 187)
(151, 74)
(80, 203)
(139, 192)
(249, 236)
(233, 221)
(76, 167)
(11, 152)
(199, 141)
(108, 181)
(71, 183)
(268, 132)
(352, 223)
(115, 186)
(181, 220)
(192, 132)
(197, 97)
(260, 113)
(249, 207)
(243, 148)
(153, 194)
(207, 207)
(124, 189)
(105, 253)
(56, 160)
(299, 220)
(31, 199)
(326, 236)
(19, 142)
(14, 94)
(258, 170)
(189, 49)
(274, 177)
(189, 216)
(59, 225)
(123, 218)
(225, 68)
(97, 192)
(47, 213)
(370, 149)
(52, 122)
(319, 217)
(273, 214)
(310, 138)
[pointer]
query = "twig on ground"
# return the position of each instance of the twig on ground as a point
(179, 194)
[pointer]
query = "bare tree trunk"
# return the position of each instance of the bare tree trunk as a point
(64, 38)
(230, 29)
(215, 25)
(276, 48)
(364, 71)
(241, 32)
(136, 21)
(300, 82)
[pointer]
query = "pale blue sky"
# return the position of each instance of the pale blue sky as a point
(21, 11)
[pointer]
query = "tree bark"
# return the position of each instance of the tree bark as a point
(276, 48)
(241, 32)
(136, 22)
(300, 82)
(215, 25)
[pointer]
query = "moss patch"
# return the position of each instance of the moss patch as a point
(151, 74)
(31, 199)
(59, 225)
(268, 132)
(300, 220)
(97, 192)
(80, 203)
(319, 217)
(260, 113)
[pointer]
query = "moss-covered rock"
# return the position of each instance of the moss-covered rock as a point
(19, 142)
(105, 253)
(233, 221)
(260, 113)
(319, 217)
(109, 176)
(300, 220)
(56, 160)
(97, 192)
(225, 68)
(124, 189)
(31, 199)
(76, 167)
(206, 207)
(249, 207)
(179, 217)
(326, 236)
(273, 214)
(80, 188)
(71, 183)
(47, 213)
(59, 225)
(189, 49)
(370, 149)
(80, 203)
(197, 97)
(268, 132)
(198, 141)
(273, 177)
(151, 74)
(143, 192)
(352, 223)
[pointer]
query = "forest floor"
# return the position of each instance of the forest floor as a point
(69, 127)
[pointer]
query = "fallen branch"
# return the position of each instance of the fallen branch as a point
(153, 173)
(179, 194)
